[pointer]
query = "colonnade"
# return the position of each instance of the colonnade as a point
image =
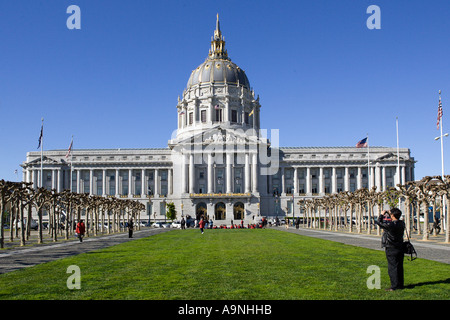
(129, 182)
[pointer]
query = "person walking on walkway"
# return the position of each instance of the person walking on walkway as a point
(392, 241)
(80, 230)
(130, 228)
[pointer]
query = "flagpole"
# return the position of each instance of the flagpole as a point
(443, 217)
(368, 163)
(71, 163)
(398, 155)
(42, 154)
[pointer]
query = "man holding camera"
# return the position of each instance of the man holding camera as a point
(392, 240)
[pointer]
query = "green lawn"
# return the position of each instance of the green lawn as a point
(226, 264)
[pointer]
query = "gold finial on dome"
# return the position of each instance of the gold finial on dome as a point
(218, 43)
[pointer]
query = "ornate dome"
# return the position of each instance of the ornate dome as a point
(218, 70)
(218, 66)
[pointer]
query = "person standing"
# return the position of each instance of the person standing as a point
(130, 228)
(183, 224)
(201, 224)
(392, 241)
(80, 230)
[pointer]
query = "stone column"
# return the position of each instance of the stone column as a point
(308, 180)
(228, 173)
(247, 173)
(378, 177)
(255, 173)
(210, 174)
(143, 192)
(78, 180)
(346, 179)
(104, 182)
(403, 178)
(333, 180)
(191, 174)
(156, 181)
(117, 181)
(169, 181)
(183, 174)
(295, 181)
(130, 183)
(321, 189)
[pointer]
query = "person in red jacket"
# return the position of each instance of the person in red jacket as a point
(201, 224)
(80, 230)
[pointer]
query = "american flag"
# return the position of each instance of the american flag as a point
(440, 113)
(362, 143)
(70, 149)
(40, 136)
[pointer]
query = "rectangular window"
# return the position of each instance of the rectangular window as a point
(219, 115)
(203, 115)
(246, 117)
(301, 188)
(233, 115)
(191, 117)
(112, 185)
(99, 177)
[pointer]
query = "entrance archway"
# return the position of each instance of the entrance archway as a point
(238, 211)
(201, 210)
(219, 211)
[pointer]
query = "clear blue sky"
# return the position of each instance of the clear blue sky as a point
(324, 78)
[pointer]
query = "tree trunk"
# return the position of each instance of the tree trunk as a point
(40, 240)
(425, 221)
(447, 232)
(22, 226)
(418, 205)
(2, 231)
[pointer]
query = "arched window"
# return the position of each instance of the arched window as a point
(201, 210)
(220, 211)
(238, 211)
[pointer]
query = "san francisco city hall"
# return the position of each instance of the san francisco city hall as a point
(219, 162)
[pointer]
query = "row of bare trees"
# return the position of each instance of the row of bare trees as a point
(64, 209)
(354, 210)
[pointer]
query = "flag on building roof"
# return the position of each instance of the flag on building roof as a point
(362, 143)
(70, 148)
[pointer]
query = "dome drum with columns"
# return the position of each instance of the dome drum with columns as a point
(214, 163)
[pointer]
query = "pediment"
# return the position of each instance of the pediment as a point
(45, 160)
(389, 157)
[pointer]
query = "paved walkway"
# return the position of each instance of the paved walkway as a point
(22, 257)
(434, 249)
